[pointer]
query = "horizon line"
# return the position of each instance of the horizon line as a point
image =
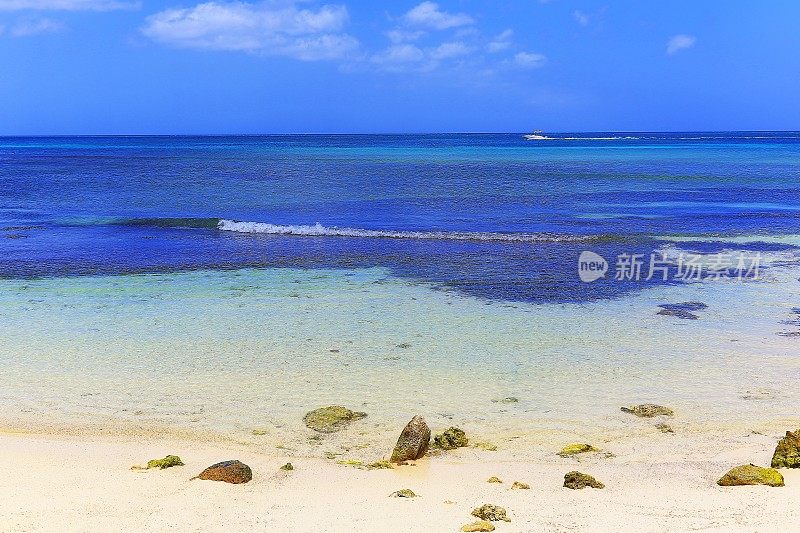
(287, 134)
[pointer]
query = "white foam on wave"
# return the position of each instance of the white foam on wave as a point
(593, 138)
(318, 230)
(790, 240)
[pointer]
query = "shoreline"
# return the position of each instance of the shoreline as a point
(653, 483)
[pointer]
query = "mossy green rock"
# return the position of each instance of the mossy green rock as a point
(379, 465)
(166, 462)
(494, 479)
(648, 410)
(451, 439)
(575, 449)
(578, 480)
(751, 475)
(490, 512)
(787, 453)
(332, 418)
(287, 467)
(480, 525)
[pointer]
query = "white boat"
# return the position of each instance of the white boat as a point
(537, 135)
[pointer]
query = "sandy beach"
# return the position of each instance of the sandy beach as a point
(656, 482)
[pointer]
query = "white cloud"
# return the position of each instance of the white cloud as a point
(406, 57)
(450, 50)
(399, 54)
(399, 36)
(529, 60)
(305, 34)
(680, 42)
(501, 42)
(68, 5)
(26, 28)
(580, 17)
(428, 14)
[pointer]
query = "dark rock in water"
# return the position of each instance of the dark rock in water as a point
(492, 513)
(678, 313)
(685, 306)
(795, 310)
(648, 410)
(167, 462)
(451, 439)
(682, 310)
(228, 471)
(404, 345)
(508, 399)
(413, 441)
(479, 526)
(403, 493)
(787, 453)
(577, 480)
(791, 322)
(330, 419)
(788, 333)
(751, 475)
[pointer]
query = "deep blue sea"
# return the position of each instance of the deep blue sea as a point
(490, 215)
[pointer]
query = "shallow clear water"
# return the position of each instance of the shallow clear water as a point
(230, 352)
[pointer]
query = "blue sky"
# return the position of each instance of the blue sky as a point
(283, 66)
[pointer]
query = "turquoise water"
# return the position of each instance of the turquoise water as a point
(221, 285)
(213, 353)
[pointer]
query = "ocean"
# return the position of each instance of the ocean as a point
(221, 284)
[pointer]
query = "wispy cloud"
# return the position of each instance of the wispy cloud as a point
(450, 50)
(409, 57)
(680, 42)
(500, 42)
(305, 34)
(29, 27)
(529, 60)
(399, 36)
(581, 17)
(68, 5)
(399, 54)
(429, 15)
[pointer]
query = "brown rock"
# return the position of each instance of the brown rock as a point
(227, 471)
(520, 485)
(577, 480)
(413, 441)
(491, 512)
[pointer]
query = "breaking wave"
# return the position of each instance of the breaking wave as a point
(318, 230)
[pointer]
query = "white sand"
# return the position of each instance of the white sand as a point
(655, 482)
